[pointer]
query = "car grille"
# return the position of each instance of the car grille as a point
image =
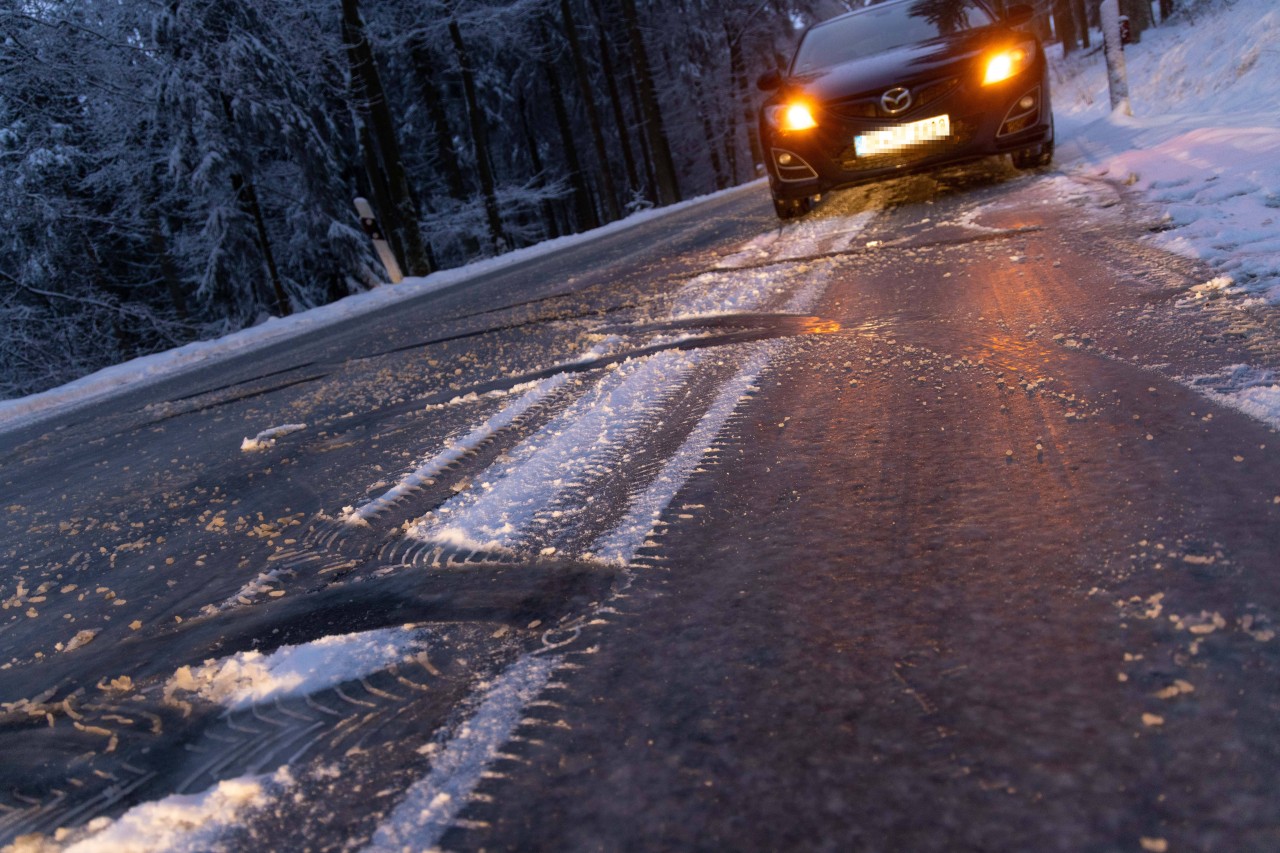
(868, 106)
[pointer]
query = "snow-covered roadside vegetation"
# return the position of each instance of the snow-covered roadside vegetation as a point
(171, 173)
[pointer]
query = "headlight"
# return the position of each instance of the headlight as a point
(791, 117)
(1007, 63)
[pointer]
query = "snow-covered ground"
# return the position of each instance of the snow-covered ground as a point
(1203, 148)
(1203, 145)
(1204, 139)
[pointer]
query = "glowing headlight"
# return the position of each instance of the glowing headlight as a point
(1006, 64)
(791, 117)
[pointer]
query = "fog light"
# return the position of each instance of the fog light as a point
(785, 159)
(1027, 102)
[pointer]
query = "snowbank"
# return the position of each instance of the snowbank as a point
(1204, 140)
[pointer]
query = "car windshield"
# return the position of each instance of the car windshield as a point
(881, 28)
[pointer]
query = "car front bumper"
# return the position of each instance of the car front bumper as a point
(982, 123)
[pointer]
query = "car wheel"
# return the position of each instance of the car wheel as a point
(790, 208)
(1034, 158)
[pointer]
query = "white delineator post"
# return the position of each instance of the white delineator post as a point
(1117, 77)
(369, 223)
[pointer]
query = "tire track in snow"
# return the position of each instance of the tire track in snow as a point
(432, 804)
(498, 513)
(620, 544)
(456, 451)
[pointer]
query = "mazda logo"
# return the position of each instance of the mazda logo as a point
(896, 100)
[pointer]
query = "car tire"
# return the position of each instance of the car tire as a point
(791, 208)
(1037, 157)
(1033, 158)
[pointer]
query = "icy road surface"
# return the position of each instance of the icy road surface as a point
(915, 524)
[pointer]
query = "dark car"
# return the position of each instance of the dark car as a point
(904, 86)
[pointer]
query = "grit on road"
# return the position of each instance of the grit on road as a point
(889, 529)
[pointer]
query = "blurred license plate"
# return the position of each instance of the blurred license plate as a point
(903, 136)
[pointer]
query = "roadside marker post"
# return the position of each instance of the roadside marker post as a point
(369, 223)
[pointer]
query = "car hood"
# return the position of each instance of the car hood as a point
(899, 66)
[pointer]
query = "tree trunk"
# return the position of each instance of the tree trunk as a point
(1081, 14)
(1139, 12)
(646, 161)
(168, 270)
(668, 185)
(371, 101)
(1064, 22)
(247, 197)
(584, 208)
(607, 188)
(549, 225)
(479, 136)
(1117, 76)
(424, 68)
(713, 139)
(737, 68)
(615, 102)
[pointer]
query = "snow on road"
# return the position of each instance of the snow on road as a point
(620, 544)
(1203, 148)
(251, 678)
(456, 450)
(502, 510)
(181, 823)
(497, 513)
(432, 803)
(267, 438)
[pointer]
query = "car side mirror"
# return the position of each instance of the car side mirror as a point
(1018, 14)
(769, 81)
